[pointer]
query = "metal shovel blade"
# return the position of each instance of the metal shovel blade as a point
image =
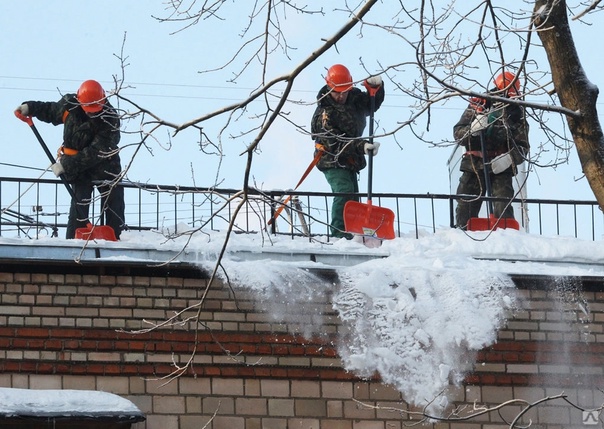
(369, 220)
(99, 232)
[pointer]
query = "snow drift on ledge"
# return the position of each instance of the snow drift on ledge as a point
(416, 314)
(65, 402)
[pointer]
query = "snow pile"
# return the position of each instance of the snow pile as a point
(285, 291)
(418, 316)
(419, 329)
(416, 313)
(75, 403)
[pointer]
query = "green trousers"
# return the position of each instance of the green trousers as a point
(341, 181)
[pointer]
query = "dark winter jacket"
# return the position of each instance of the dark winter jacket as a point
(337, 127)
(95, 138)
(507, 132)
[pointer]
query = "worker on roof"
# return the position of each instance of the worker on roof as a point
(337, 123)
(89, 151)
(503, 130)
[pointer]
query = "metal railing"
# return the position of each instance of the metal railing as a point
(38, 208)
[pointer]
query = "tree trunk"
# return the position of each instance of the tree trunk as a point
(575, 91)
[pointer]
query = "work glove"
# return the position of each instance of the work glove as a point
(57, 168)
(478, 104)
(373, 147)
(374, 81)
(479, 123)
(501, 163)
(23, 109)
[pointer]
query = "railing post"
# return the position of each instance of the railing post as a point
(553, 216)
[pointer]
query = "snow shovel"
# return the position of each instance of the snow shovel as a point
(367, 219)
(90, 232)
(490, 223)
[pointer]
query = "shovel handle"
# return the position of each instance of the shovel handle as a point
(372, 90)
(26, 119)
(279, 210)
(487, 179)
(29, 121)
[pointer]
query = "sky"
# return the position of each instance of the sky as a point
(49, 49)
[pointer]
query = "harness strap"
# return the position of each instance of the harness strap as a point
(478, 153)
(66, 150)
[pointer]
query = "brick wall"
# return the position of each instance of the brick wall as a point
(78, 327)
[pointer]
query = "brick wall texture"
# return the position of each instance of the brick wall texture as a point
(230, 363)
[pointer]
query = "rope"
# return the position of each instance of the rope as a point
(24, 192)
(23, 166)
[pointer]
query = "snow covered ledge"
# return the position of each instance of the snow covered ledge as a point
(416, 314)
(66, 409)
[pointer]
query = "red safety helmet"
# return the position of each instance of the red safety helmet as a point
(339, 78)
(503, 81)
(91, 96)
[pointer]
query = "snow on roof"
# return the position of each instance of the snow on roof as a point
(416, 308)
(66, 403)
(505, 251)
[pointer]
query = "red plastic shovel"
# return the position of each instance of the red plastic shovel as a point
(491, 223)
(90, 232)
(367, 219)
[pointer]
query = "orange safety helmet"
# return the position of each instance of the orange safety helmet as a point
(91, 96)
(503, 81)
(339, 78)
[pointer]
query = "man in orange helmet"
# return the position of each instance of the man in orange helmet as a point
(89, 151)
(504, 131)
(338, 122)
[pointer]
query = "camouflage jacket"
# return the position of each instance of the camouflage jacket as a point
(94, 138)
(337, 127)
(507, 132)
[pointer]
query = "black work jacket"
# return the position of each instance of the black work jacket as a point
(95, 137)
(336, 127)
(507, 132)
